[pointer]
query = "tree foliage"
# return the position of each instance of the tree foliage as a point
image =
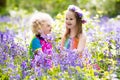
(106, 7)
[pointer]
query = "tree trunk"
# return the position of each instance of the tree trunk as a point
(2, 3)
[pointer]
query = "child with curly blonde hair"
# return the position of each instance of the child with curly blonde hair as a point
(41, 24)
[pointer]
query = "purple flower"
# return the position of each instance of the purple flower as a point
(4, 56)
(32, 77)
(12, 66)
(79, 14)
(4, 19)
(24, 74)
(96, 73)
(118, 61)
(24, 65)
(72, 8)
(16, 77)
(76, 9)
(83, 21)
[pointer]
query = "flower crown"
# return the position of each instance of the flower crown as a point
(77, 10)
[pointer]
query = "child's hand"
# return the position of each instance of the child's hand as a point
(38, 51)
(49, 56)
(80, 55)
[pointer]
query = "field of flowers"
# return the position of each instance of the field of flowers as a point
(100, 60)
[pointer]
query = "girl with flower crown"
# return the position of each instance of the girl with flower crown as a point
(74, 37)
(41, 26)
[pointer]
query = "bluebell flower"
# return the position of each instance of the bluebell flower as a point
(118, 61)
(24, 65)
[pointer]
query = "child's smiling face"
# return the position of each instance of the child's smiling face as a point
(70, 20)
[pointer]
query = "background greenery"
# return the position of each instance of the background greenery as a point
(105, 7)
(102, 56)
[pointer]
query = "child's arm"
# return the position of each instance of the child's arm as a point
(82, 43)
(62, 43)
(36, 44)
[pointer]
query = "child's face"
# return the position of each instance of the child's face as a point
(46, 27)
(70, 20)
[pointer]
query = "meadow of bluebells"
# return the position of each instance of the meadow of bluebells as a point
(100, 59)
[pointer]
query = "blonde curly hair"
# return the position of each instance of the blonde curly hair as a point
(37, 19)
